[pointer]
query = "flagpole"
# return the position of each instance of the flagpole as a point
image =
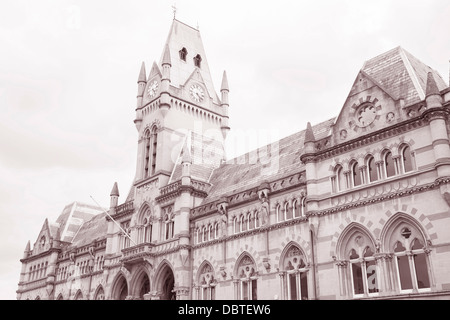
(129, 237)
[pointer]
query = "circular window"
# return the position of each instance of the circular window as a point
(365, 115)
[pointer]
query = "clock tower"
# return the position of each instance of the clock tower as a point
(177, 99)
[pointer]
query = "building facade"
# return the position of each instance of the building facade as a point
(355, 207)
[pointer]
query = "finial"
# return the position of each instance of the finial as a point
(309, 134)
(115, 190)
(174, 9)
(224, 85)
(431, 88)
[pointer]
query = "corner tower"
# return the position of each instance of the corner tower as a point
(177, 97)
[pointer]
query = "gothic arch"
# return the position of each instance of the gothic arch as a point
(394, 223)
(354, 229)
(60, 297)
(286, 249)
(210, 271)
(140, 282)
(244, 258)
(164, 280)
(78, 295)
(120, 287)
(99, 293)
(367, 224)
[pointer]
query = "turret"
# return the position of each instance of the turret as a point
(164, 106)
(142, 82)
(224, 90)
(438, 127)
(114, 196)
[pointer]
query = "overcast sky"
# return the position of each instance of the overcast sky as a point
(68, 72)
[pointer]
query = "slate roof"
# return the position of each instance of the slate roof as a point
(91, 230)
(270, 162)
(181, 35)
(401, 74)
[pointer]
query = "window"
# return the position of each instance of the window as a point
(243, 223)
(340, 179)
(280, 213)
(169, 223)
(372, 174)
(183, 54)
(42, 242)
(407, 159)
(389, 165)
(236, 225)
(411, 266)
(360, 270)
(207, 283)
(125, 235)
(295, 278)
(246, 286)
(151, 139)
(251, 221)
(287, 212)
(197, 61)
(356, 174)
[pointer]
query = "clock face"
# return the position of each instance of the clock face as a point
(196, 93)
(152, 88)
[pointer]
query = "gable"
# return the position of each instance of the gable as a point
(369, 107)
(43, 239)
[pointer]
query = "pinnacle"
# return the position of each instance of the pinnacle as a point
(432, 88)
(309, 134)
(115, 190)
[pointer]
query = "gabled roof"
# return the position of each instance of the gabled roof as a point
(93, 229)
(271, 162)
(401, 74)
(72, 219)
(205, 154)
(183, 36)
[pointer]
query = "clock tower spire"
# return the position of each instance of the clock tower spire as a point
(177, 97)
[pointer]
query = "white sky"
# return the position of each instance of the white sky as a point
(68, 72)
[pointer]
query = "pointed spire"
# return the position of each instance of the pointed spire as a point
(166, 57)
(432, 87)
(142, 73)
(309, 134)
(27, 250)
(186, 157)
(115, 190)
(224, 85)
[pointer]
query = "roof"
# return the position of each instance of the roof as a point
(91, 230)
(271, 162)
(401, 74)
(206, 154)
(72, 219)
(183, 36)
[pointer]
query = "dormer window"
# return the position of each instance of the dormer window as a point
(197, 61)
(183, 54)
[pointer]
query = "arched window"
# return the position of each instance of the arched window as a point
(125, 235)
(198, 61)
(357, 248)
(257, 220)
(411, 265)
(356, 174)
(389, 165)
(183, 54)
(199, 235)
(207, 283)
(169, 223)
(151, 139)
(247, 284)
(236, 225)
(100, 294)
(211, 232)
(204, 234)
(372, 174)
(407, 159)
(251, 220)
(42, 244)
(339, 177)
(296, 208)
(216, 230)
(287, 212)
(243, 223)
(280, 213)
(296, 278)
